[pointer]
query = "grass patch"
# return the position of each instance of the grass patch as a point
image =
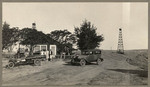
(140, 60)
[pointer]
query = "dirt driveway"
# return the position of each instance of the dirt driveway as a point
(114, 70)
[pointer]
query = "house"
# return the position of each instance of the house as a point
(36, 50)
(44, 47)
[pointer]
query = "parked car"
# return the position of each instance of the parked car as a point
(87, 56)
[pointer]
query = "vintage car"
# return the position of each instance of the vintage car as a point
(87, 56)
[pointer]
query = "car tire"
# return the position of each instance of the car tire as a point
(99, 61)
(11, 64)
(37, 62)
(82, 62)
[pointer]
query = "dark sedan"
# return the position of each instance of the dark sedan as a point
(87, 56)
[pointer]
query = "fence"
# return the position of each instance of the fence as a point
(64, 57)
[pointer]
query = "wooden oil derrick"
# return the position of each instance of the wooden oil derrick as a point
(120, 48)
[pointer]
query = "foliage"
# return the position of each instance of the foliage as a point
(33, 37)
(63, 36)
(64, 48)
(65, 40)
(87, 36)
(9, 35)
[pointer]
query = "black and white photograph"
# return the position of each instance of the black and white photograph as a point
(74, 43)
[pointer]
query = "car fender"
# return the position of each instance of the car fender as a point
(101, 59)
(84, 59)
(12, 59)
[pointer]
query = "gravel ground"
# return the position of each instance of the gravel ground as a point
(114, 70)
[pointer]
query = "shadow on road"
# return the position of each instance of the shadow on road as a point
(140, 73)
(69, 64)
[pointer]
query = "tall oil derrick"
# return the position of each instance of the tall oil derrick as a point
(120, 48)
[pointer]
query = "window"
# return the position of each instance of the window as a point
(37, 48)
(85, 53)
(97, 52)
(90, 52)
(44, 48)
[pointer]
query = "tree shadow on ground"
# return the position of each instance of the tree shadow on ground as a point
(141, 73)
(69, 64)
(77, 64)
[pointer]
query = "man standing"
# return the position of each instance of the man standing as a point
(42, 52)
(26, 53)
(47, 55)
(50, 55)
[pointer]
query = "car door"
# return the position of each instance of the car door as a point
(94, 56)
(90, 57)
(87, 58)
(98, 54)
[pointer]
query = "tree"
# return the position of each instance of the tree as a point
(65, 39)
(87, 36)
(63, 36)
(33, 37)
(9, 35)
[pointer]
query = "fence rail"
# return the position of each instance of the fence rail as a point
(64, 57)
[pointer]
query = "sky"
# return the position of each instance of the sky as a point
(107, 17)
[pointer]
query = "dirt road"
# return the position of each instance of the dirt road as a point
(114, 70)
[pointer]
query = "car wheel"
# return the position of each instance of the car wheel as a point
(11, 64)
(82, 62)
(72, 62)
(37, 62)
(99, 61)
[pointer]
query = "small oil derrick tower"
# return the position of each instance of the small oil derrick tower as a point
(33, 25)
(120, 48)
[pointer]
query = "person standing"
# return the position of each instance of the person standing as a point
(51, 55)
(47, 55)
(26, 53)
(42, 52)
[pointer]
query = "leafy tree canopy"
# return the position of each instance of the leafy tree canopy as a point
(33, 37)
(9, 35)
(87, 36)
(63, 36)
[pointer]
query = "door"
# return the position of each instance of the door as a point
(98, 54)
(53, 50)
(90, 56)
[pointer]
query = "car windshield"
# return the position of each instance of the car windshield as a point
(87, 52)
(97, 52)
